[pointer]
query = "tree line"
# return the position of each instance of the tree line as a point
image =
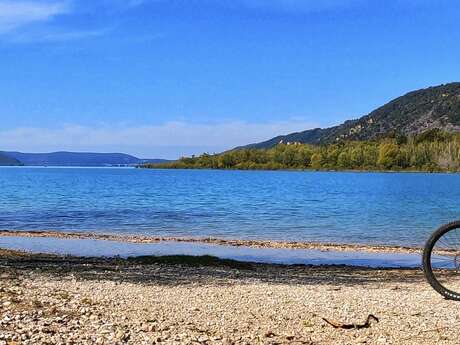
(430, 151)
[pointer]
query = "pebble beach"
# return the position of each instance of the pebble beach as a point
(50, 299)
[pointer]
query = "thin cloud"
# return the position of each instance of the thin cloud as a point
(56, 36)
(17, 14)
(171, 139)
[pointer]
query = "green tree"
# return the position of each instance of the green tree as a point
(388, 155)
(317, 160)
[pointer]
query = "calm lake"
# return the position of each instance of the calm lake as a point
(375, 208)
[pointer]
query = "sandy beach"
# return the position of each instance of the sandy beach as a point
(47, 299)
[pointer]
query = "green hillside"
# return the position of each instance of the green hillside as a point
(433, 150)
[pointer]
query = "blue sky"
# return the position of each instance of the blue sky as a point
(164, 78)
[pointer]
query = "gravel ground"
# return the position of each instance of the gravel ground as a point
(64, 300)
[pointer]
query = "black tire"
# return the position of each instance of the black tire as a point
(427, 265)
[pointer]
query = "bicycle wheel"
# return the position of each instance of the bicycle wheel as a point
(441, 260)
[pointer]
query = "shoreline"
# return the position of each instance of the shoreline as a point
(140, 239)
(377, 171)
(313, 170)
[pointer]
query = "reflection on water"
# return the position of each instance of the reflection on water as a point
(89, 247)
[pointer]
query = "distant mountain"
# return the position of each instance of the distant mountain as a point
(8, 161)
(413, 113)
(76, 159)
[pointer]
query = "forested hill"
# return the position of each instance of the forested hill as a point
(411, 114)
(8, 161)
(432, 150)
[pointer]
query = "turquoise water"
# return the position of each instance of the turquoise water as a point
(377, 208)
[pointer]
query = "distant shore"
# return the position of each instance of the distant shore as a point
(383, 171)
(218, 241)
